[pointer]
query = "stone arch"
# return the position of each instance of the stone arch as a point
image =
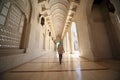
(103, 22)
(82, 25)
(84, 17)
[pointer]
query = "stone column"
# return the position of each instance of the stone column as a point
(45, 39)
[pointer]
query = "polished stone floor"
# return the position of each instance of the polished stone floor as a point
(73, 67)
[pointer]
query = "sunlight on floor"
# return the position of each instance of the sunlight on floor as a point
(75, 54)
(57, 55)
(73, 67)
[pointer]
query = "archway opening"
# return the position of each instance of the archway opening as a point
(75, 39)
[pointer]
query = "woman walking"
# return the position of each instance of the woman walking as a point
(60, 51)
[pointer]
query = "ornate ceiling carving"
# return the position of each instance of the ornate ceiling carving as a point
(60, 14)
(59, 10)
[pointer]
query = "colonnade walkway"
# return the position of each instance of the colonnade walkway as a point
(73, 67)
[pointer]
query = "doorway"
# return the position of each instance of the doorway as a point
(75, 39)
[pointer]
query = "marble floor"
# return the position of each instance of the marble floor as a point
(73, 67)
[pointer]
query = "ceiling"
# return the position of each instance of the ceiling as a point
(59, 10)
(59, 15)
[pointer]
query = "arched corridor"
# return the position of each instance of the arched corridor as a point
(30, 31)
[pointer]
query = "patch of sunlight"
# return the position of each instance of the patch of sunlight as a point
(76, 54)
(79, 73)
(57, 55)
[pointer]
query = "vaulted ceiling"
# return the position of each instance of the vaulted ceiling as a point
(60, 14)
(59, 10)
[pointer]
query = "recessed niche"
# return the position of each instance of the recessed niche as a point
(42, 21)
(49, 33)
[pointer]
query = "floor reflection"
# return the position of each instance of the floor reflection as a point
(73, 67)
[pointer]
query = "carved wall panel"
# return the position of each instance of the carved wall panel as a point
(11, 26)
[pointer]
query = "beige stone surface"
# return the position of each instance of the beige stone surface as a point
(98, 34)
(72, 68)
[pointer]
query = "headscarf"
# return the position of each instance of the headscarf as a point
(60, 43)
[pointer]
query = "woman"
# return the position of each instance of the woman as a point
(60, 51)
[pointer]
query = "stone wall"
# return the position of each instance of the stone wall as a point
(92, 35)
(98, 30)
(100, 40)
(37, 40)
(82, 27)
(115, 19)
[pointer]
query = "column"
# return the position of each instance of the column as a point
(45, 39)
